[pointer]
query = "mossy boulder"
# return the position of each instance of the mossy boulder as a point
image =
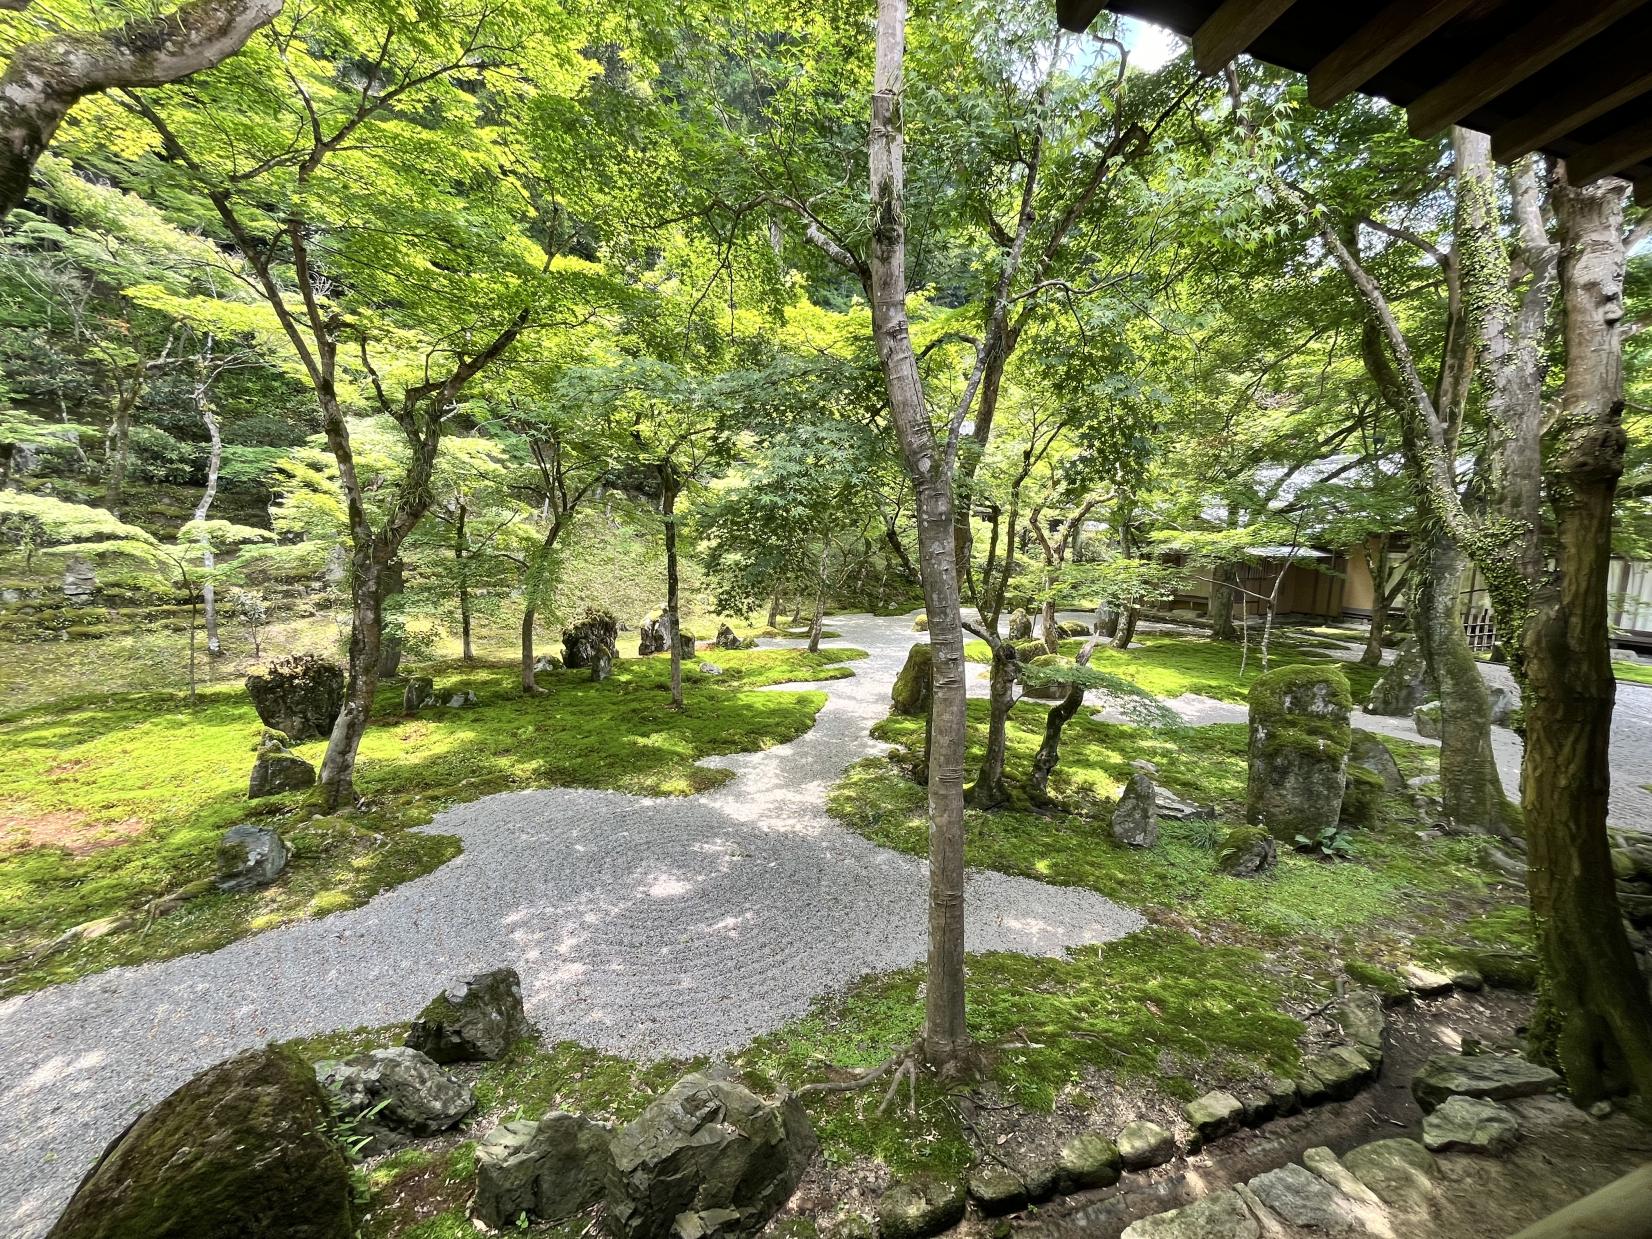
(1426, 718)
(1246, 852)
(300, 695)
(1299, 741)
(1369, 752)
(913, 685)
(927, 1205)
(476, 1019)
(1020, 625)
(1047, 683)
(593, 635)
(921, 624)
(1361, 797)
(1088, 1160)
(1403, 686)
(239, 1150)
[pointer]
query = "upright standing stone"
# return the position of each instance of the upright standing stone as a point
(299, 695)
(1136, 816)
(912, 685)
(476, 1019)
(596, 630)
(1299, 740)
(1404, 685)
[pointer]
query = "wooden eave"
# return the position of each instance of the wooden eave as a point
(1571, 80)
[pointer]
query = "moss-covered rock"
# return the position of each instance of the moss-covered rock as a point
(1404, 685)
(913, 684)
(1361, 798)
(299, 694)
(1246, 852)
(921, 624)
(239, 1150)
(1299, 741)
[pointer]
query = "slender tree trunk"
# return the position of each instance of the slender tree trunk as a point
(215, 456)
(820, 602)
(371, 564)
(931, 473)
(390, 643)
(1470, 790)
(530, 608)
(460, 547)
(117, 447)
(989, 790)
(892, 536)
(668, 511)
(1124, 631)
(1376, 567)
(774, 610)
(1221, 603)
(529, 686)
(1595, 1018)
(1049, 751)
(1048, 630)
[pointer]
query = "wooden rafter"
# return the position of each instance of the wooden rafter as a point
(1390, 34)
(1555, 30)
(1621, 74)
(1627, 146)
(1231, 29)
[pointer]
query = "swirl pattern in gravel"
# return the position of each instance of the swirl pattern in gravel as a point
(644, 926)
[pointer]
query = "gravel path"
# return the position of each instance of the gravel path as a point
(643, 926)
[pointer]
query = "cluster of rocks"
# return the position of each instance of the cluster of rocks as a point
(421, 692)
(591, 642)
(654, 637)
(708, 1157)
(726, 640)
(1352, 1195)
(1405, 688)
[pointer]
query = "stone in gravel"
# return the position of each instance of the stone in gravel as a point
(1426, 719)
(708, 1144)
(925, 1206)
(1304, 1199)
(1088, 1160)
(1471, 1125)
(1020, 625)
(1333, 1075)
(299, 695)
(279, 771)
(1400, 1171)
(250, 857)
(1505, 701)
(420, 692)
(392, 1096)
(1143, 1145)
(507, 1173)
(1213, 1116)
(1490, 1076)
(1425, 982)
(1221, 1215)
(920, 624)
(1247, 852)
(1360, 1017)
(476, 1019)
(1368, 752)
(1299, 739)
(912, 685)
(996, 1189)
(240, 1150)
(1403, 686)
(1326, 1165)
(1135, 818)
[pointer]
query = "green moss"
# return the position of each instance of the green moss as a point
(912, 685)
(1386, 983)
(101, 826)
(1362, 798)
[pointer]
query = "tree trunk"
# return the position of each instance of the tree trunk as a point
(529, 686)
(1049, 751)
(668, 511)
(989, 790)
(1595, 1018)
(820, 603)
(892, 536)
(774, 610)
(338, 768)
(467, 654)
(1470, 790)
(1124, 629)
(116, 447)
(1048, 629)
(215, 456)
(1221, 603)
(1376, 567)
(931, 473)
(390, 644)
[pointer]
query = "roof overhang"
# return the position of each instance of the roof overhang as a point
(1572, 80)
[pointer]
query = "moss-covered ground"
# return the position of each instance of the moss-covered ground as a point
(112, 800)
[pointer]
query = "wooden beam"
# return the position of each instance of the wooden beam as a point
(1392, 33)
(1233, 28)
(1555, 30)
(1628, 145)
(1643, 191)
(1621, 73)
(1076, 15)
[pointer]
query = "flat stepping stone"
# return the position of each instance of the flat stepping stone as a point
(1329, 1167)
(922, 1207)
(1333, 1075)
(1400, 1171)
(996, 1189)
(1470, 1125)
(1221, 1215)
(1213, 1116)
(1088, 1160)
(1304, 1199)
(1494, 1077)
(1425, 982)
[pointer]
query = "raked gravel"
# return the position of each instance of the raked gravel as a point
(644, 926)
